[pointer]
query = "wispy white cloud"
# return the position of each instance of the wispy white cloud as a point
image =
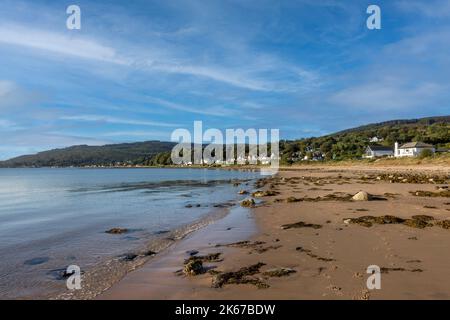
(208, 110)
(254, 75)
(58, 43)
(215, 73)
(116, 120)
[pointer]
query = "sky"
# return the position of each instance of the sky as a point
(137, 70)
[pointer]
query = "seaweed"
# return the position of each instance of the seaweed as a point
(336, 196)
(117, 231)
(268, 193)
(387, 269)
(300, 224)
(408, 178)
(294, 199)
(212, 257)
(444, 224)
(279, 272)
(241, 276)
(417, 221)
(193, 268)
(249, 203)
(421, 193)
(312, 255)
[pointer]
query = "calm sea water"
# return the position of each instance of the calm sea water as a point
(51, 218)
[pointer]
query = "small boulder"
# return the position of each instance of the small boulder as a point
(362, 196)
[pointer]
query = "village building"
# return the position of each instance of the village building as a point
(412, 149)
(375, 139)
(376, 151)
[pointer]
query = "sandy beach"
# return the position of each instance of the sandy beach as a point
(305, 239)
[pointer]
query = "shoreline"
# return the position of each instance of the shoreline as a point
(324, 261)
(159, 279)
(404, 162)
(153, 216)
(106, 274)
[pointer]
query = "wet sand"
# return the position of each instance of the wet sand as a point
(158, 280)
(323, 255)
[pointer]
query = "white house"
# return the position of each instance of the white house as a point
(412, 149)
(378, 151)
(376, 139)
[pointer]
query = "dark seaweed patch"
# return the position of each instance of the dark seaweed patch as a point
(300, 224)
(241, 276)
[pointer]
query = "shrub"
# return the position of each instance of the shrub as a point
(426, 154)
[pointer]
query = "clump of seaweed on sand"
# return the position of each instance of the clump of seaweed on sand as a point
(312, 255)
(247, 275)
(339, 196)
(300, 224)
(279, 272)
(417, 221)
(417, 178)
(194, 265)
(244, 275)
(421, 193)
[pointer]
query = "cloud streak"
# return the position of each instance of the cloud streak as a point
(29, 37)
(160, 60)
(115, 120)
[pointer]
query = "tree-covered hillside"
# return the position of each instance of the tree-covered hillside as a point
(83, 155)
(347, 144)
(351, 143)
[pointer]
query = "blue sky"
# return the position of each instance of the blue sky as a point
(139, 69)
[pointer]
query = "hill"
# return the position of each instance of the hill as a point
(342, 145)
(351, 143)
(83, 155)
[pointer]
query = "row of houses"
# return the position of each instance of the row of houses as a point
(239, 160)
(410, 149)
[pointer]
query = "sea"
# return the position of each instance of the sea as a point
(54, 217)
